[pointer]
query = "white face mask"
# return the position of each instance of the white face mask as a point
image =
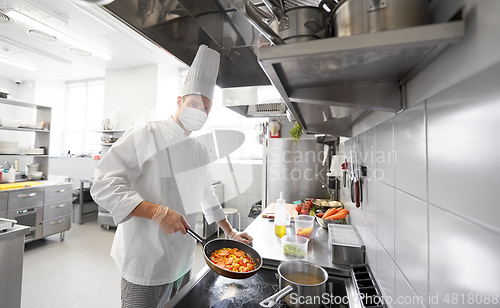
(193, 119)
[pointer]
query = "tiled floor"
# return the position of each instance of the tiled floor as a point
(76, 272)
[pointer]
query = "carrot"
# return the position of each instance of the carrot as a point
(329, 212)
(337, 216)
(320, 215)
(343, 211)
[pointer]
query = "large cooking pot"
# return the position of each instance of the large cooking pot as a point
(350, 17)
(298, 281)
(211, 246)
(301, 23)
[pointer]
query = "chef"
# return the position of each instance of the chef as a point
(153, 181)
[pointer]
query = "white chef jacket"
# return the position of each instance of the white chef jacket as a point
(138, 167)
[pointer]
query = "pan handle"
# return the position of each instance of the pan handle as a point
(274, 299)
(196, 236)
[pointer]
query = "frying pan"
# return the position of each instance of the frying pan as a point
(213, 245)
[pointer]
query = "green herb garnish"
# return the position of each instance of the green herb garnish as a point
(296, 132)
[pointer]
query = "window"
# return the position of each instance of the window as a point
(225, 119)
(84, 114)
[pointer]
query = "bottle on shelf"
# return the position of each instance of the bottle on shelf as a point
(280, 217)
(11, 175)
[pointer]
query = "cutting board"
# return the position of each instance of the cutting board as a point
(269, 211)
(17, 185)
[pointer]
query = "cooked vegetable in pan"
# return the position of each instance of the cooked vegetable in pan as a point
(232, 259)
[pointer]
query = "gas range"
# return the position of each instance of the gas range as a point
(209, 290)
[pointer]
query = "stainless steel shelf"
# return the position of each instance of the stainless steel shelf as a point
(319, 79)
(20, 129)
(22, 104)
(24, 155)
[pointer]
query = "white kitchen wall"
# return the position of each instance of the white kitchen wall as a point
(432, 208)
(249, 178)
(75, 169)
(133, 93)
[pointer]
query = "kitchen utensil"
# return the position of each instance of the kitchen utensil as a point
(304, 226)
(294, 245)
(301, 23)
(31, 151)
(306, 23)
(351, 17)
(347, 246)
(31, 168)
(211, 246)
(35, 176)
(305, 279)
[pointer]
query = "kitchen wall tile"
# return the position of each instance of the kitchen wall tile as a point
(370, 202)
(410, 165)
(463, 258)
(362, 149)
(410, 241)
(241, 200)
(371, 150)
(385, 272)
(463, 147)
(385, 217)
(385, 154)
(370, 241)
(404, 295)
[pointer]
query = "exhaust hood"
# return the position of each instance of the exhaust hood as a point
(261, 101)
(328, 85)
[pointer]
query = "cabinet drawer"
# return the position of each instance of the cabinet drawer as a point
(4, 197)
(58, 193)
(57, 209)
(56, 225)
(25, 198)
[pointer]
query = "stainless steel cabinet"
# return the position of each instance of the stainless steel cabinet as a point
(23, 198)
(58, 193)
(56, 225)
(4, 197)
(57, 209)
(3, 214)
(30, 217)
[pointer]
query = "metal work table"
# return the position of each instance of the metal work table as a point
(268, 245)
(11, 265)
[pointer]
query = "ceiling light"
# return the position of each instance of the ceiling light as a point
(18, 64)
(79, 52)
(68, 39)
(32, 50)
(97, 2)
(4, 18)
(42, 36)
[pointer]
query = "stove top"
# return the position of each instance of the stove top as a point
(215, 291)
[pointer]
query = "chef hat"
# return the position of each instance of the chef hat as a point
(202, 73)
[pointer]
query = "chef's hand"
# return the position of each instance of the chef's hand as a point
(241, 237)
(170, 220)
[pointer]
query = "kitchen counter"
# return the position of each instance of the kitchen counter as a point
(33, 184)
(268, 245)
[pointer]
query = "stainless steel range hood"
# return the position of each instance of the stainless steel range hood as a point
(261, 101)
(328, 84)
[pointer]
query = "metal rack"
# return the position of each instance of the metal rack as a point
(331, 84)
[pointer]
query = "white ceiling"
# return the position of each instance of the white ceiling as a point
(87, 23)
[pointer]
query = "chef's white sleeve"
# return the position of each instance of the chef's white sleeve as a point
(210, 204)
(113, 176)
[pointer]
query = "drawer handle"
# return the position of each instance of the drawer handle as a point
(59, 190)
(57, 206)
(27, 195)
(57, 222)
